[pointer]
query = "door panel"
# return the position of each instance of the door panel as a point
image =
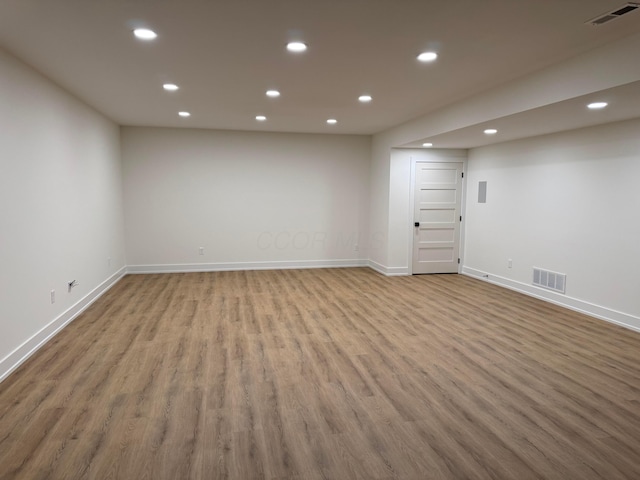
(437, 254)
(437, 196)
(437, 202)
(428, 235)
(436, 215)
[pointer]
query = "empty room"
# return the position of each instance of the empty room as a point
(319, 239)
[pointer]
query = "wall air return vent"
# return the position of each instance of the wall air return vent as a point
(617, 13)
(548, 279)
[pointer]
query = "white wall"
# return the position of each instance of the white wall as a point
(379, 207)
(60, 207)
(567, 202)
(250, 199)
(602, 68)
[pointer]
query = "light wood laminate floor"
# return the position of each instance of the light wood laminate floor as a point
(324, 374)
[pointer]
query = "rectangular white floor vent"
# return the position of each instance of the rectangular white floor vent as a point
(548, 279)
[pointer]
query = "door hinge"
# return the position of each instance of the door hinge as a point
(458, 261)
(460, 217)
(462, 174)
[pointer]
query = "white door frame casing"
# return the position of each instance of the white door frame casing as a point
(436, 156)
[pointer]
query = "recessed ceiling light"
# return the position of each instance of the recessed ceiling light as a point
(184, 114)
(427, 144)
(144, 34)
(491, 131)
(597, 105)
(332, 121)
(296, 47)
(427, 56)
(365, 98)
(273, 93)
(172, 87)
(261, 118)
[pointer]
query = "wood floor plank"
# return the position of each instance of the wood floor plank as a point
(324, 374)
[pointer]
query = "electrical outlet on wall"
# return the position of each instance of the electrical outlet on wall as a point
(108, 261)
(201, 251)
(53, 296)
(509, 263)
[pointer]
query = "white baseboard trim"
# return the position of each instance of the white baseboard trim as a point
(388, 271)
(33, 344)
(603, 313)
(231, 266)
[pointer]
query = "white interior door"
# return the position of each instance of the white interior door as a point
(436, 231)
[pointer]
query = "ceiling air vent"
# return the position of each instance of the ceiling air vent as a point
(618, 12)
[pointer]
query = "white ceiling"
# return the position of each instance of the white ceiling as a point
(623, 104)
(224, 54)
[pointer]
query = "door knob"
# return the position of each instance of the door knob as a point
(416, 224)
